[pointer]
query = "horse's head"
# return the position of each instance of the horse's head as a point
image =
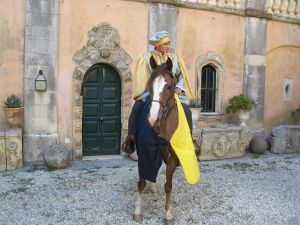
(161, 89)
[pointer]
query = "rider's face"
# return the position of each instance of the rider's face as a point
(163, 48)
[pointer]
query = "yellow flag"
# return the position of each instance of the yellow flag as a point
(183, 146)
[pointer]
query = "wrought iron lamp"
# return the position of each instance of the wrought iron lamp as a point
(40, 82)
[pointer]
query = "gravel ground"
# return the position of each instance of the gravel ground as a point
(262, 190)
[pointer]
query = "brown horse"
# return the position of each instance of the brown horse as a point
(163, 117)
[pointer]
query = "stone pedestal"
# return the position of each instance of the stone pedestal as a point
(11, 154)
(285, 139)
(13, 149)
(222, 143)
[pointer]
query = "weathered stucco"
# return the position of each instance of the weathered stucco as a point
(283, 57)
(11, 51)
(76, 19)
(202, 31)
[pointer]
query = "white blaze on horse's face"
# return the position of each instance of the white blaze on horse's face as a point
(158, 85)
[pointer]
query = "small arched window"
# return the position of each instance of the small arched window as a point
(208, 88)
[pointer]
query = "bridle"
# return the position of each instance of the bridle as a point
(165, 109)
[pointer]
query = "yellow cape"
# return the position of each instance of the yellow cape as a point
(142, 73)
(183, 146)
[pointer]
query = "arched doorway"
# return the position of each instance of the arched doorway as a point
(101, 118)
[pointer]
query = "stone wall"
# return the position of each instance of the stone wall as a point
(254, 46)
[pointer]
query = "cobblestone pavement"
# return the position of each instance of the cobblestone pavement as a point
(254, 189)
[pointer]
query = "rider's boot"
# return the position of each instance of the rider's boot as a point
(128, 145)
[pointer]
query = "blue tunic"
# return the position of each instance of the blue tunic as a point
(148, 151)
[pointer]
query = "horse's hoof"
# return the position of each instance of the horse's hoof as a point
(137, 217)
(169, 221)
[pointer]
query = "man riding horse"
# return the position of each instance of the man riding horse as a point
(161, 42)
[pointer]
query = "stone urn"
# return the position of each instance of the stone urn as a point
(57, 157)
(195, 113)
(244, 115)
(13, 116)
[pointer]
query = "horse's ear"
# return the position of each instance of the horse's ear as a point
(153, 63)
(169, 64)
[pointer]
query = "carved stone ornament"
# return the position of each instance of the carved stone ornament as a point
(221, 146)
(209, 57)
(103, 44)
(245, 138)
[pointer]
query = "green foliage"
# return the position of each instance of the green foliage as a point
(240, 102)
(195, 103)
(296, 113)
(12, 101)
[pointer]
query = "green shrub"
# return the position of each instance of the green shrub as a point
(296, 112)
(240, 102)
(12, 101)
(195, 103)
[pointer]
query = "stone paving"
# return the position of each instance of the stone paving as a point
(254, 189)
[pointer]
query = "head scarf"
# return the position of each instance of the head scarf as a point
(159, 38)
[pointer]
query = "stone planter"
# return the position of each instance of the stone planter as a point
(195, 113)
(243, 117)
(13, 116)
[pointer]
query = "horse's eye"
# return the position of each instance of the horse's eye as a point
(169, 87)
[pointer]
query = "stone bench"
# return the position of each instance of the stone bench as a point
(222, 142)
(11, 156)
(285, 139)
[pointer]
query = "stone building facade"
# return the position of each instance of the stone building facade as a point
(253, 46)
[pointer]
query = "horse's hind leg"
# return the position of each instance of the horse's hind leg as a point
(137, 216)
(171, 166)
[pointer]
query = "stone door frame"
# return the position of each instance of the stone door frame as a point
(102, 47)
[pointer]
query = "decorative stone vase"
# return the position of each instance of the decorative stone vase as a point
(13, 116)
(195, 113)
(244, 115)
(57, 157)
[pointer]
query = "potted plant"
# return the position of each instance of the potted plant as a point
(195, 106)
(13, 110)
(296, 116)
(241, 104)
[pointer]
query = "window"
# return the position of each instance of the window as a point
(208, 88)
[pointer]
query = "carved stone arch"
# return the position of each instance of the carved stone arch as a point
(217, 62)
(103, 46)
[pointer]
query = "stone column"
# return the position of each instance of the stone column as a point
(255, 61)
(163, 17)
(41, 43)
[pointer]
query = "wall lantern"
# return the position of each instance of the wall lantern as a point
(40, 82)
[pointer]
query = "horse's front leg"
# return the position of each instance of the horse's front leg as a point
(171, 166)
(137, 216)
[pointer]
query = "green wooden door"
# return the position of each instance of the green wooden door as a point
(101, 121)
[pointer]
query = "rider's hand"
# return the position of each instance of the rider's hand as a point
(178, 90)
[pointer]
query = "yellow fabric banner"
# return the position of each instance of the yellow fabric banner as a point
(183, 146)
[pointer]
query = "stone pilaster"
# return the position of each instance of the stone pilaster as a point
(2, 152)
(162, 17)
(255, 64)
(41, 43)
